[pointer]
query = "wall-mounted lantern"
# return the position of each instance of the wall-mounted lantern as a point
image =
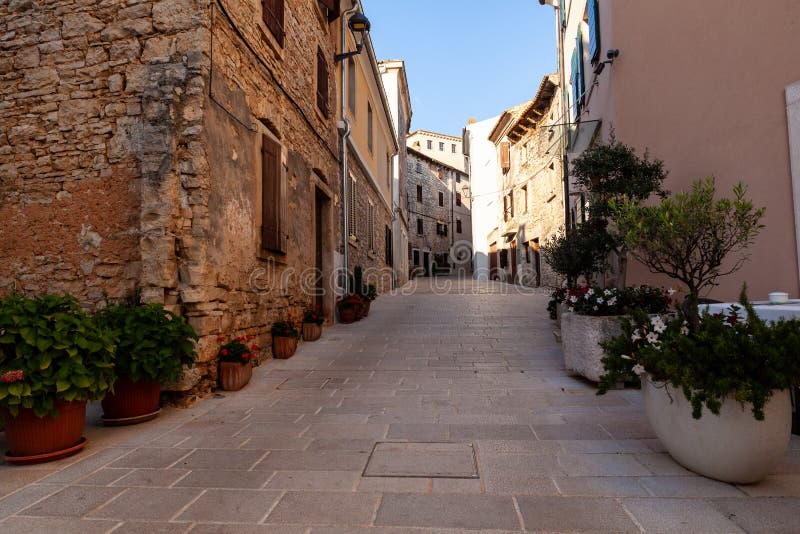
(359, 25)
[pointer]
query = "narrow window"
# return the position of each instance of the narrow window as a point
(594, 31)
(430, 144)
(419, 225)
(441, 147)
(388, 247)
(419, 193)
(525, 199)
(505, 156)
(441, 198)
(272, 196)
(272, 14)
(322, 82)
(371, 227)
(351, 86)
(389, 173)
(458, 178)
(458, 225)
(370, 132)
(458, 199)
(351, 209)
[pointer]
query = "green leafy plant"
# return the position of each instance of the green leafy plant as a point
(595, 300)
(284, 329)
(689, 236)
(725, 355)
(577, 252)
(51, 350)
(313, 316)
(152, 343)
(371, 292)
(350, 301)
(236, 350)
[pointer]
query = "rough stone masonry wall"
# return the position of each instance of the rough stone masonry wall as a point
(100, 106)
(424, 173)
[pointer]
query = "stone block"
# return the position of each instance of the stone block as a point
(79, 24)
(581, 335)
(189, 378)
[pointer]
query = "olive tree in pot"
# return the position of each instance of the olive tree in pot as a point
(739, 371)
(153, 346)
(53, 359)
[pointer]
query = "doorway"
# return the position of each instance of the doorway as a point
(426, 262)
(321, 209)
(513, 260)
(493, 261)
(537, 261)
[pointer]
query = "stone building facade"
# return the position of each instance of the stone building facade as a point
(442, 147)
(185, 152)
(530, 198)
(433, 224)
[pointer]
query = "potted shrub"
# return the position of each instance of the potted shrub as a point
(594, 318)
(53, 359)
(284, 339)
(236, 362)
(153, 345)
(312, 324)
(349, 307)
(739, 372)
(369, 294)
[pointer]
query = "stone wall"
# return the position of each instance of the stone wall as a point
(424, 172)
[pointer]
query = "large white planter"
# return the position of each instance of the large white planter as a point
(733, 446)
(580, 338)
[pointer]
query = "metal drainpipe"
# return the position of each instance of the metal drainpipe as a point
(565, 118)
(345, 134)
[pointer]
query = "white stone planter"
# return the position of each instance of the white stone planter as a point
(733, 446)
(580, 338)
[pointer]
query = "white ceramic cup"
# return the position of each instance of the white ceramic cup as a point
(778, 297)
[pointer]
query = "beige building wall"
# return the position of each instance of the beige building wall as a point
(442, 147)
(702, 87)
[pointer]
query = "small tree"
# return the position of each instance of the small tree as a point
(577, 252)
(689, 236)
(612, 173)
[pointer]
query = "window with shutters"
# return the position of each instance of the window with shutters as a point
(441, 198)
(458, 226)
(505, 156)
(419, 193)
(322, 82)
(577, 81)
(389, 170)
(371, 226)
(593, 14)
(453, 146)
(351, 86)
(430, 144)
(272, 15)
(441, 147)
(415, 256)
(458, 199)
(388, 246)
(351, 208)
(370, 129)
(272, 196)
(458, 178)
(420, 226)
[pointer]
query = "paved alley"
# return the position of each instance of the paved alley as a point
(446, 410)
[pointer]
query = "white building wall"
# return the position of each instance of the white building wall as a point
(482, 168)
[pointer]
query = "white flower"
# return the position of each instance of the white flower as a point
(685, 330)
(600, 300)
(670, 292)
(595, 308)
(638, 369)
(625, 357)
(608, 292)
(652, 338)
(612, 301)
(590, 292)
(636, 335)
(658, 324)
(573, 298)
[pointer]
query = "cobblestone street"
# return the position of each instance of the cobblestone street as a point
(438, 413)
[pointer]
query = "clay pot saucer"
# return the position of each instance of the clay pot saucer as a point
(47, 457)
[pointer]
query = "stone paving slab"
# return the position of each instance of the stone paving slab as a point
(477, 364)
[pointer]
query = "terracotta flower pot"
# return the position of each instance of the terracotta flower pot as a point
(347, 315)
(132, 402)
(311, 331)
(234, 376)
(283, 347)
(30, 436)
(366, 308)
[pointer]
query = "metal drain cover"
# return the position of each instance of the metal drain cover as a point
(422, 459)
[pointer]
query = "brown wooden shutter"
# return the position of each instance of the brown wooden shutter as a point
(272, 14)
(271, 195)
(458, 199)
(505, 155)
(329, 4)
(322, 82)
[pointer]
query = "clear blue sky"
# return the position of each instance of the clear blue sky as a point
(468, 58)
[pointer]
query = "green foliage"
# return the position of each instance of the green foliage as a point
(313, 316)
(236, 350)
(152, 343)
(689, 236)
(577, 252)
(284, 329)
(723, 356)
(62, 352)
(598, 301)
(371, 293)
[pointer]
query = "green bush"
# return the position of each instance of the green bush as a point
(51, 350)
(152, 343)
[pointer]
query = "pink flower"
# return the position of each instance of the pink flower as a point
(12, 376)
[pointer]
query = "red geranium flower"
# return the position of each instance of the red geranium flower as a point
(224, 352)
(12, 376)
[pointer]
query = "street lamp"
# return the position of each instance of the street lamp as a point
(359, 25)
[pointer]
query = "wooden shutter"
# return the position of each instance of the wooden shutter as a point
(594, 31)
(441, 198)
(389, 247)
(419, 226)
(329, 4)
(578, 83)
(322, 82)
(458, 199)
(351, 223)
(419, 193)
(505, 156)
(272, 14)
(458, 225)
(271, 195)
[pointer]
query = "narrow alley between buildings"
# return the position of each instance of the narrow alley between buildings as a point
(447, 410)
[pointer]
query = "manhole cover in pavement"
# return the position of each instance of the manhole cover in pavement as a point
(422, 459)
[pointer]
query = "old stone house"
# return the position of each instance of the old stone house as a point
(530, 199)
(185, 152)
(439, 217)
(442, 147)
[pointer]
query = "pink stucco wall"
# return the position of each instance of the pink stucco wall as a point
(702, 87)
